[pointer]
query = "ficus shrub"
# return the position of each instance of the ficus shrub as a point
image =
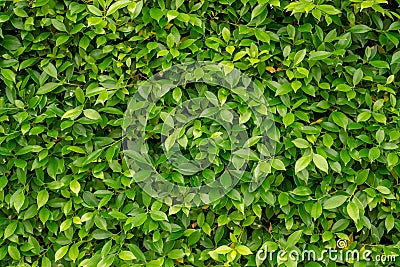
(329, 71)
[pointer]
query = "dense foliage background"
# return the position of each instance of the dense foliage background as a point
(329, 70)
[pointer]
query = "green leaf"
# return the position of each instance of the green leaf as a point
(171, 14)
(100, 234)
(320, 162)
(343, 88)
(239, 55)
(223, 249)
(360, 29)
(301, 143)
(65, 225)
(176, 254)
(277, 164)
(11, 42)
(141, 175)
(302, 163)
(93, 21)
(47, 88)
(353, 212)
(135, 8)
(395, 58)
(42, 198)
(389, 222)
(76, 149)
(316, 210)
(177, 94)
(328, 9)
(319, 55)
(10, 229)
(13, 252)
(299, 56)
(50, 70)
(380, 136)
(73, 252)
(27, 63)
(126, 255)
(116, 6)
(156, 13)
(46, 262)
(288, 119)
(75, 186)
(18, 199)
(357, 77)
(362, 176)
(138, 219)
(302, 191)
(137, 252)
(94, 10)
(226, 34)
(257, 11)
(60, 253)
(334, 202)
(262, 36)
(294, 238)
(363, 116)
(92, 114)
(72, 113)
(118, 215)
(58, 25)
(383, 189)
(392, 159)
(28, 149)
(283, 199)
(380, 64)
(8, 74)
(62, 39)
(243, 250)
(374, 153)
(52, 168)
(158, 215)
(226, 115)
(340, 119)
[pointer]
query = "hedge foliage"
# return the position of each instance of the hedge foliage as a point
(330, 73)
